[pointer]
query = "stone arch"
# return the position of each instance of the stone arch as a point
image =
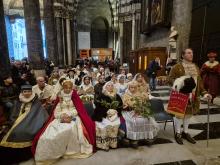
(99, 32)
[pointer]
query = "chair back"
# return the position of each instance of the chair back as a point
(157, 105)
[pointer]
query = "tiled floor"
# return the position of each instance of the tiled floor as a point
(165, 151)
(184, 162)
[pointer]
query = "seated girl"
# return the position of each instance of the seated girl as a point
(143, 87)
(138, 126)
(86, 93)
(70, 132)
(86, 90)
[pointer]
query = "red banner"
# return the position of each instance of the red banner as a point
(177, 104)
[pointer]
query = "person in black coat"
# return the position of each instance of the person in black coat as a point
(107, 117)
(154, 66)
(108, 95)
(8, 94)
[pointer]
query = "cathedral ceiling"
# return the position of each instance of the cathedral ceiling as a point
(15, 7)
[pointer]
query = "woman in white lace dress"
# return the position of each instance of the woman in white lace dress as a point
(137, 126)
(65, 135)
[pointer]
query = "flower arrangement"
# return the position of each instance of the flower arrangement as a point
(86, 98)
(113, 105)
(142, 108)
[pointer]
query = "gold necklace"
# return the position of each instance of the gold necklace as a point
(67, 104)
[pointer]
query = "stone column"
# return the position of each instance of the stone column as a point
(133, 32)
(69, 45)
(34, 34)
(121, 42)
(73, 41)
(127, 39)
(181, 19)
(60, 41)
(4, 56)
(51, 37)
(64, 41)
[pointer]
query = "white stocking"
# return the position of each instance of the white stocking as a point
(186, 122)
(178, 123)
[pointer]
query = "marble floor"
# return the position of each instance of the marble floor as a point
(165, 151)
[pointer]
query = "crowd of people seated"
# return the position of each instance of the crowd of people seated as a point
(72, 112)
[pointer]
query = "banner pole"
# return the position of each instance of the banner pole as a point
(208, 124)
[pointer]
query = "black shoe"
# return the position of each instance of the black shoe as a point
(188, 138)
(149, 142)
(134, 144)
(125, 142)
(178, 138)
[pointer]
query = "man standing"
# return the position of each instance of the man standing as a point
(154, 66)
(210, 73)
(183, 68)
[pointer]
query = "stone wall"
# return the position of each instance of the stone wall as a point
(89, 10)
(158, 38)
(181, 19)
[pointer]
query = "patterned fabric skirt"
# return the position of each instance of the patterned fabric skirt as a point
(107, 134)
(139, 128)
(65, 140)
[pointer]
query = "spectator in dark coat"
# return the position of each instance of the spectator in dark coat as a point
(154, 66)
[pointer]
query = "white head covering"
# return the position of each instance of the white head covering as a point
(104, 87)
(135, 77)
(120, 76)
(129, 74)
(98, 75)
(95, 70)
(83, 85)
(133, 82)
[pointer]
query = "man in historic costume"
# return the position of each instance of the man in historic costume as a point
(44, 92)
(210, 73)
(184, 68)
(27, 118)
(69, 133)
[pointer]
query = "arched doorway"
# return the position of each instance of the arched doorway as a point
(99, 33)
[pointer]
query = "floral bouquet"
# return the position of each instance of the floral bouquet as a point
(142, 107)
(87, 98)
(112, 113)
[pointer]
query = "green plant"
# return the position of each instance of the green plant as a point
(142, 108)
(86, 98)
(113, 105)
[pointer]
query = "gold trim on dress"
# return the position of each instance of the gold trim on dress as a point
(16, 145)
(20, 118)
